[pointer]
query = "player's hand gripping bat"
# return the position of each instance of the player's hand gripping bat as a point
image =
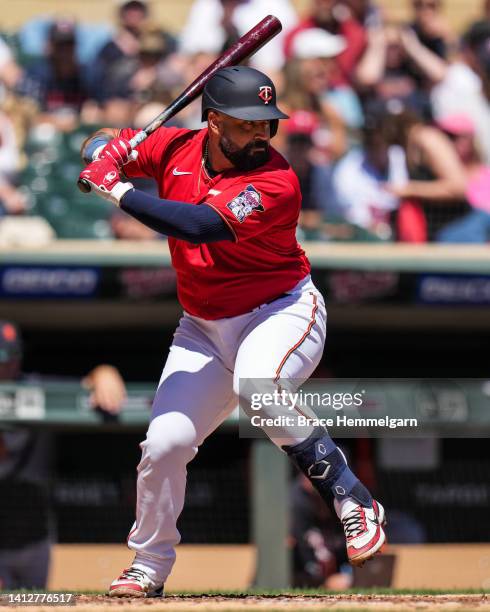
(248, 44)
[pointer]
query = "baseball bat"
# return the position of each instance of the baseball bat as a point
(246, 46)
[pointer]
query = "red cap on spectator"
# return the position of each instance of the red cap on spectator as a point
(457, 124)
(302, 122)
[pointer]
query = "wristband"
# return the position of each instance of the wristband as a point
(119, 191)
(94, 147)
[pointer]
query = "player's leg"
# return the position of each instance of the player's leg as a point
(282, 349)
(194, 395)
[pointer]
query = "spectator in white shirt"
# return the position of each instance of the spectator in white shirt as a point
(358, 194)
(219, 21)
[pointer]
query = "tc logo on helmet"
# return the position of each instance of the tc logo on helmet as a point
(265, 93)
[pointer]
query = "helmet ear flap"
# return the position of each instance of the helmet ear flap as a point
(274, 126)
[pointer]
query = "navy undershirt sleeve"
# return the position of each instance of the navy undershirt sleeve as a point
(197, 224)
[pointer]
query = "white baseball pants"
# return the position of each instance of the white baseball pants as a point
(199, 388)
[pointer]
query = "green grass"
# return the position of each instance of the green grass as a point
(320, 592)
(237, 594)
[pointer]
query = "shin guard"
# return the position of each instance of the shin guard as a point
(319, 458)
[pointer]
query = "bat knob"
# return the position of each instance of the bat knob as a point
(84, 186)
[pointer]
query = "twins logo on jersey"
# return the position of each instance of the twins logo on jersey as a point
(245, 203)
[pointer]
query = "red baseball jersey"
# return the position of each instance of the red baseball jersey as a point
(261, 207)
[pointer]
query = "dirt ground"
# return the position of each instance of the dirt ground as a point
(100, 603)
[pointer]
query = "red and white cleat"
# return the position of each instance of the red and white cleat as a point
(133, 582)
(363, 528)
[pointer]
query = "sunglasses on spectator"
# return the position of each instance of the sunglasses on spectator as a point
(426, 4)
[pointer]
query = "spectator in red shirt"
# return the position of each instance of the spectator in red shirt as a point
(335, 18)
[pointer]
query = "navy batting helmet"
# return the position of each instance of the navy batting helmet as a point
(243, 93)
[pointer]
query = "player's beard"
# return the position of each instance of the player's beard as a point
(245, 158)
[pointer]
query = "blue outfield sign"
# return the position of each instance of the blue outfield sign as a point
(453, 289)
(19, 281)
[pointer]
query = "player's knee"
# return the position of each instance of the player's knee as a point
(168, 449)
(170, 442)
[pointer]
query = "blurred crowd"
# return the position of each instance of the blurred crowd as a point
(389, 128)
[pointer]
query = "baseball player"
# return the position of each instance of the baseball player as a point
(229, 204)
